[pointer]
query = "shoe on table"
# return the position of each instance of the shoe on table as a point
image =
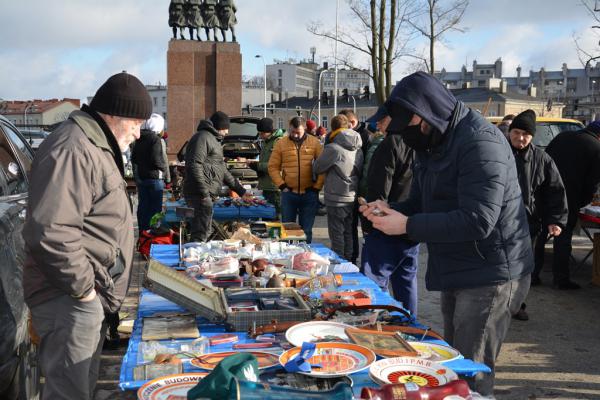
(566, 285)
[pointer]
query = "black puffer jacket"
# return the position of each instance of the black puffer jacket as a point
(390, 170)
(147, 155)
(390, 173)
(542, 189)
(205, 169)
(465, 201)
(577, 157)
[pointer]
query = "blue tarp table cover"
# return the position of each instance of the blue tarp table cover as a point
(223, 213)
(151, 303)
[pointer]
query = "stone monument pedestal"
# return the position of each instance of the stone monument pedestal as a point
(202, 77)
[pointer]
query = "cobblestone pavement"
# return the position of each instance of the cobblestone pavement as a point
(554, 355)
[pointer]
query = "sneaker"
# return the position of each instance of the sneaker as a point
(567, 285)
(536, 281)
(521, 315)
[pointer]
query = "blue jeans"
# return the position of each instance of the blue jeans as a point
(300, 206)
(392, 261)
(150, 194)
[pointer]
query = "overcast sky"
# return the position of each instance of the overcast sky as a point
(67, 48)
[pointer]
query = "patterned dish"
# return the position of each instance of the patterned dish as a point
(411, 369)
(170, 387)
(335, 359)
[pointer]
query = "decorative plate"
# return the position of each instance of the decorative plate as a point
(411, 369)
(170, 387)
(317, 332)
(435, 352)
(210, 361)
(335, 359)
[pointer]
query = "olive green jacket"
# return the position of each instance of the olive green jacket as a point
(264, 180)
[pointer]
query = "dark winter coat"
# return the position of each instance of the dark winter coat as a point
(205, 169)
(148, 156)
(390, 172)
(577, 157)
(542, 189)
(79, 228)
(262, 168)
(465, 201)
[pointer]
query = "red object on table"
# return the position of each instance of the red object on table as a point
(412, 391)
(589, 218)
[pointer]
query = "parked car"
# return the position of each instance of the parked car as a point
(34, 137)
(547, 128)
(19, 375)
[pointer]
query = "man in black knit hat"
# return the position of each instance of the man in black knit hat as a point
(541, 188)
(205, 172)
(79, 234)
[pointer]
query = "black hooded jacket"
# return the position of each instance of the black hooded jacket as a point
(205, 169)
(147, 155)
(465, 201)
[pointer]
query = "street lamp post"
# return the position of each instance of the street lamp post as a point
(27, 107)
(354, 101)
(264, 83)
(319, 109)
(335, 85)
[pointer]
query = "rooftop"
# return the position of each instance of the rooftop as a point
(35, 106)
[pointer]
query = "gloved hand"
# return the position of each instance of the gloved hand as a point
(284, 188)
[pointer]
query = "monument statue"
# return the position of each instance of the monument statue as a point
(208, 10)
(194, 17)
(226, 11)
(177, 18)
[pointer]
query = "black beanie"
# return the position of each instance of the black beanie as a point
(524, 121)
(265, 125)
(123, 95)
(220, 120)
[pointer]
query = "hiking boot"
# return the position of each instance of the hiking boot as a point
(521, 315)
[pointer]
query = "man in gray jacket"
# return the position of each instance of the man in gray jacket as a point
(79, 234)
(341, 161)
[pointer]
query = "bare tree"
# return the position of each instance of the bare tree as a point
(436, 21)
(380, 33)
(587, 56)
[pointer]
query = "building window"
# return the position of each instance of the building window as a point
(279, 82)
(279, 123)
(155, 101)
(165, 116)
(279, 73)
(164, 101)
(324, 122)
(480, 83)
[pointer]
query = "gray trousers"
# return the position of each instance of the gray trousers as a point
(476, 322)
(339, 226)
(71, 343)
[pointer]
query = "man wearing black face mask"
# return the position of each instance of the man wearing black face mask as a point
(465, 203)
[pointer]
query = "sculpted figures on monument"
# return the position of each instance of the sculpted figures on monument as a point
(194, 17)
(177, 18)
(226, 11)
(208, 10)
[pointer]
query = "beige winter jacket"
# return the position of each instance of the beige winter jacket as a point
(79, 230)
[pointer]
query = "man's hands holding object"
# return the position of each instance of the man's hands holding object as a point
(383, 218)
